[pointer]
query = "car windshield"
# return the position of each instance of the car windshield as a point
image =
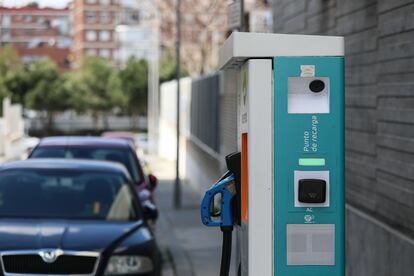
(123, 156)
(65, 194)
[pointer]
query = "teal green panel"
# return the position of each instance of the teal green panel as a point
(289, 142)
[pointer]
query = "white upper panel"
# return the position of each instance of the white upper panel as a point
(241, 46)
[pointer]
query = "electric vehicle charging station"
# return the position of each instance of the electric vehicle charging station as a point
(291, 138)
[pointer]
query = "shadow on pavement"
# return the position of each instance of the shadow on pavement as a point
(189, 248)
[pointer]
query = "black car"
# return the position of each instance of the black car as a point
(73, 217)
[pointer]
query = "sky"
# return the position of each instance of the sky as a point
(42, 3)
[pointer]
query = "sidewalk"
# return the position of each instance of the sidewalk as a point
(189, 248)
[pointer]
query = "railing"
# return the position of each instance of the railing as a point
(205, 111)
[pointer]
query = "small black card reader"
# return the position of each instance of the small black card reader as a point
(312, 191)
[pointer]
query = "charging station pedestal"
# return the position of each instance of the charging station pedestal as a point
(291, 135)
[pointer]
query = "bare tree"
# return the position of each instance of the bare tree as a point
(204, 26)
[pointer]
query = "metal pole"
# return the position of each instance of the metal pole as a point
(242, 25)
(177, 185)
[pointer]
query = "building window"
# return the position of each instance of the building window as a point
(105, 2)
(90, 17)
(105, 53)
(40, 20)
(27, 18)
(91, 35)
(105, 17)
(6, 21)
(91, 52)
(63, 25)
(135, 16)
(104, 36)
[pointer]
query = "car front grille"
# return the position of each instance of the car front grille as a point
(65, 264)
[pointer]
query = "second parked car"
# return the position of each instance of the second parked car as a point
(98, 148)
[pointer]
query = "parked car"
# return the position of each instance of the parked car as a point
(125, 135)
(99, 148)
(73, 217)
(136, 141)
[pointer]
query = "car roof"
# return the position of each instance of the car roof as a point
(118, 134)
(84, 141)
(66, 164)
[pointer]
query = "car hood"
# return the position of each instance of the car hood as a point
(66, 235)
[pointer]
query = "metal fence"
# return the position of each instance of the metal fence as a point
(205, 111)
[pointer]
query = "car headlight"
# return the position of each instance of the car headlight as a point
(121, 265)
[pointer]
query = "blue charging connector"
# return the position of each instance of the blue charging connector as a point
(226, 188)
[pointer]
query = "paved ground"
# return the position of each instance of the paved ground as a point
(189, 248)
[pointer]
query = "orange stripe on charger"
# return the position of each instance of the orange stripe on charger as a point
(244, 179)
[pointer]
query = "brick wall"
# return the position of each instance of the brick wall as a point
(379, 123)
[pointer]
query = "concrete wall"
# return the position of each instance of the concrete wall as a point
(379, 123)
(12, 143)
(167, 121)
(69, 121)
(203, 166)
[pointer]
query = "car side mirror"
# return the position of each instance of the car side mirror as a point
(153, 181)
(150, 210)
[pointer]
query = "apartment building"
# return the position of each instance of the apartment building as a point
(37, 33)
(93, 24)
(137, 31)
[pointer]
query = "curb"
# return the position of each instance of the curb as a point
(173, 252)
(180, 261)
